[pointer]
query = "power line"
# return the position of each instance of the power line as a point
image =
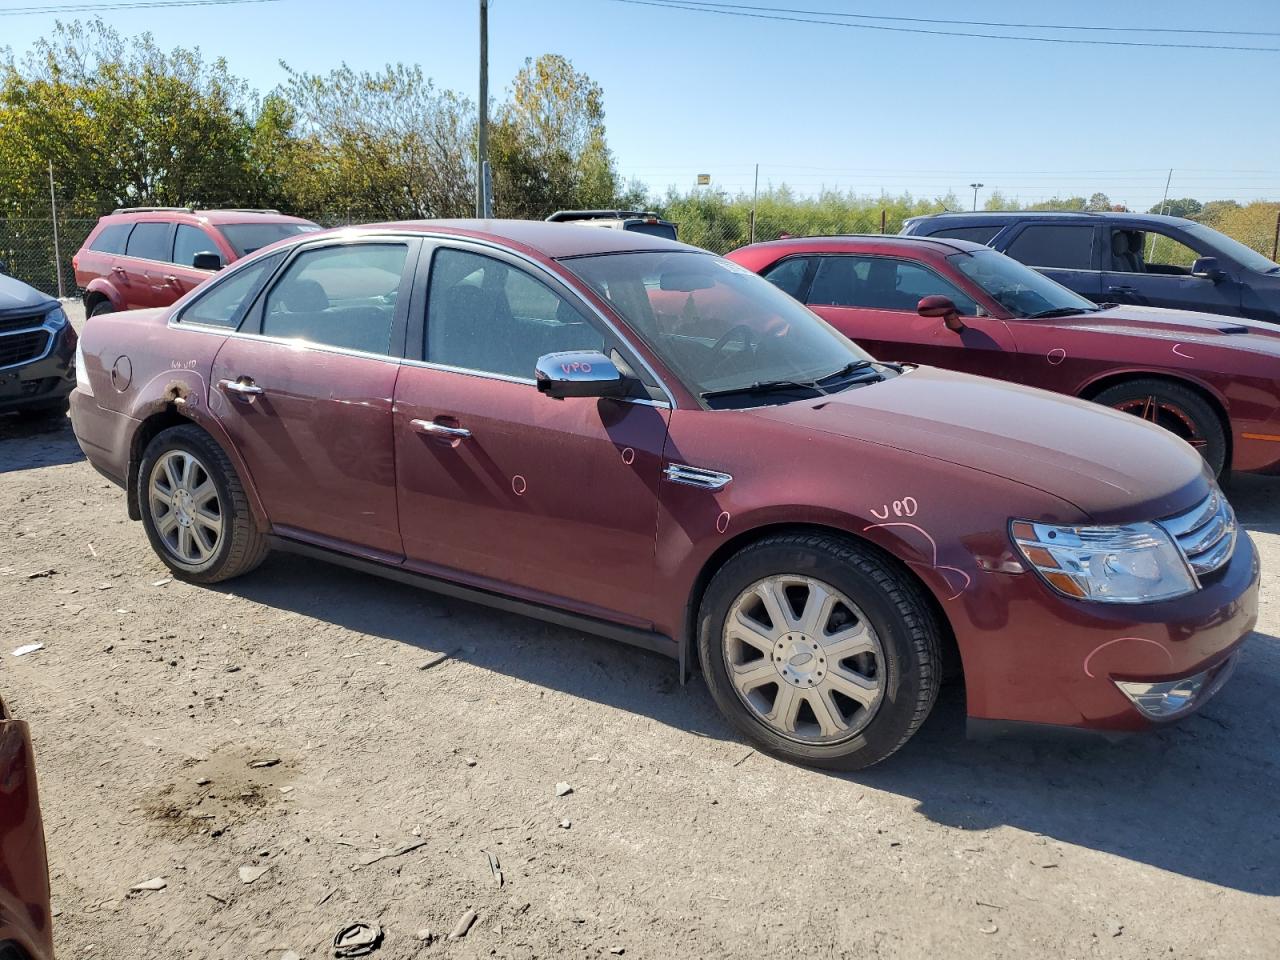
(985, 23)
(668, 5)
(128, 5)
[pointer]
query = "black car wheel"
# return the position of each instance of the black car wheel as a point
(819, 650)
(194, 508)
(1178, 409)
(101, 307)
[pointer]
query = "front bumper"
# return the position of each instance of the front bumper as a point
(1032, 657)
(45, 380)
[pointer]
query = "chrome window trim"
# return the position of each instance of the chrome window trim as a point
(458, 239)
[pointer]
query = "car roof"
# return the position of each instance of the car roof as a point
(978, 216)
(214, 217)
(552, 240)
(881, 242)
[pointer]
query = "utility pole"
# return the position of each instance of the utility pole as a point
(483, 200)
(57, 253)
(976, 188)
(755, 192)
(1164, 202)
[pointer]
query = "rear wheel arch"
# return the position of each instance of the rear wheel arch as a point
(163, 419)
(1095, 387)
(951, 661)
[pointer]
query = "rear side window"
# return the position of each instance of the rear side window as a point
(983, 234)
(149, 241)
(189, 241)
(112, 238)
(788, 275)
(222, 302)
(338, 296)
(1054, 245)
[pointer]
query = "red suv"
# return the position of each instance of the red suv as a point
(634, 437)
(150, 256)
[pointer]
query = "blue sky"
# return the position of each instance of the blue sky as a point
(815, 106)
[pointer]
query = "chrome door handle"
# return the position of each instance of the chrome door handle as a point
(440, 430)
(245, 387)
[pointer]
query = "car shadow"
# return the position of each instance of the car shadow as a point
(31, 441)
(1195, 799)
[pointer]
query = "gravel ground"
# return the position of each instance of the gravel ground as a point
(153, 700)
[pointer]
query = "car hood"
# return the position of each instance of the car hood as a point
(16, 295)
(1112, 466)
(1177, 326)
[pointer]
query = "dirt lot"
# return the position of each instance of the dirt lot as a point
(677, 840)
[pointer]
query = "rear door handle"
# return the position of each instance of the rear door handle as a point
(244, 387)
(440, 430)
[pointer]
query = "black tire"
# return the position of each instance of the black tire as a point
(101, 307)
(890, 602)
(241, 546)
(1180, 410)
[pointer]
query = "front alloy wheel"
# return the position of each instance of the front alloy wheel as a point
(804, 659)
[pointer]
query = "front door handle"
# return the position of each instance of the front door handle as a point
(244, 386)
(440, 430)
(1121, 290)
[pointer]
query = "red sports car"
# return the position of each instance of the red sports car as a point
(637, 438)
(1213, 381)
(25, 924)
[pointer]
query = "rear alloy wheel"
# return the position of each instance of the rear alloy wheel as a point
(1176, 408)
(833, 667)
(194, 508)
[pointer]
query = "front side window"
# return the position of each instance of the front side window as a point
(221, 302)
(189, 241)
(488, 316)
(717, 325)
(1065, 246)
(343, 296)
(112, 238)
(149, 241)
(881, 283)
(1019, 289)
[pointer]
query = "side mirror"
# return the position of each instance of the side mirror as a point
(944, 307)
(579, 373)
(1206, 268)
(206, 260)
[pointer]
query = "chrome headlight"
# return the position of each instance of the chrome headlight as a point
(55, 319)
(1131, 563)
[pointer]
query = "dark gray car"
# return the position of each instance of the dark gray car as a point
(37, 350)
(1134, 258)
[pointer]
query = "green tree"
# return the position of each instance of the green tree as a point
(1099, 201)
(547, 145)
(361, 146)
(124, 123)
(1182, 207)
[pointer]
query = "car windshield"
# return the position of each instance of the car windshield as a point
(1247, 257)
(245, 238)
(1022, 291)
(722, 329)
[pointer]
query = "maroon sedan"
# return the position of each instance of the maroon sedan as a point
(640, 439)
(1208, 379)
(25, 924)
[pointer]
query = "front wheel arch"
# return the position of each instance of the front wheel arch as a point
(1091, 390)
(952, 664)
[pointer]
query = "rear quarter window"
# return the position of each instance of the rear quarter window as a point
(222, 302)
(112, 238)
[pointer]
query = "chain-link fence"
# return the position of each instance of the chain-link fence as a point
(27, 240)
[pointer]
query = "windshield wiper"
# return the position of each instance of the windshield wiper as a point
(844, 371)
(1060, 312)
(764, 386)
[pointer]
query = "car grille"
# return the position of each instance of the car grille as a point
(27, 322)
(1206, 533)
(23, 347)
